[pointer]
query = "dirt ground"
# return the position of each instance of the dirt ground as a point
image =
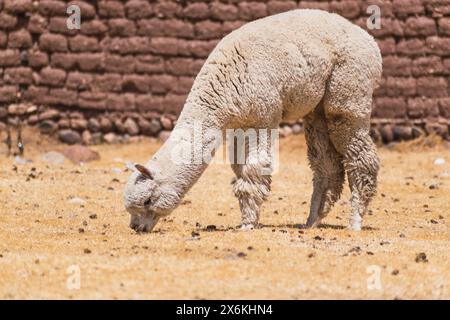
(52, 248)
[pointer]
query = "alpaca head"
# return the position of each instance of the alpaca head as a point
(147, 199)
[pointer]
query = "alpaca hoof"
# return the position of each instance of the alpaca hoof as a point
(247, 227)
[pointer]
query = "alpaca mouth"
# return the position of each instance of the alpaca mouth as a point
(143, 223)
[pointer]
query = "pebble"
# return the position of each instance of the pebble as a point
(116, 170)
(53, 157)
(421, 257)
(21, 161)
(69, 136)
(77, 201)
(439, 162)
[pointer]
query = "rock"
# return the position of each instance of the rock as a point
(110, 138)
(105, 124)
(86, 137)
(47, 127)
(285, 131)
(131, 127)
(116, 170)
(69, 136)
(3, 113)
(78, 154)
(436, 128)
(439, 162)
(77, 201)
(53, 157)
(78, 124)
(19, 109)
(97, 138)
(64, 123)
(2, 126)
(32, 120)
(297, 129)
(145, 126)
(155, 127)
(93, 125)
(166, 123)
(21, 161)
(120, 127)
(402, 133)
(49, 115)
(164, 135)
(387, 133)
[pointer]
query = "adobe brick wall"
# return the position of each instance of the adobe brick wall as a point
(131, 65)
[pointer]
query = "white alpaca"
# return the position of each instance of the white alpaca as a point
(300, 64)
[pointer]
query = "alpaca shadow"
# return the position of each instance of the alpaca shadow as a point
(304, 227)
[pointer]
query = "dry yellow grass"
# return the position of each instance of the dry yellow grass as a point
(40, 237)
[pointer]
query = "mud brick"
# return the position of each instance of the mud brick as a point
(111, 9)
(87, 9)
(274, 7)
(347, 8)
(114, 63)
(92, 100)
(59, 25)
(444, 107)
(37, 24)
(79, 81)
(432, 86)
(149, 64)
(387, 46)
(401, 86)
(440, 46)
(444, 26)
(389, 27)
(411, 47)
(314, 5)
(201, 49)
(7, 94)
(183, 85)
(166, 46)
(420, 26)
(390, 108)
(396, 66)
(162, 83)
(120, 102)
(93, 27)
(82, 43)
(438, 8)
(196, 11)
(53, 42)
(183, 66)
(130, 45)
(52, 77)
(170, 28)
(91, 61)
(107, 82)
(7, 22)
(19, 39)
(223, 12)
(173, 103)
(229, 26)
(35, 94)
(3, 39)
(206, 30)
(65, 61)
(419, 108)
(136, 83)
(381, 90)
(61, 97)
(408, 7)
(9, 58)
(251, 10)
(386, 8)
(52, 8)
(149, 102)
(446, 64)
(18, 6)
(121, 27)
(138, 9)
(37, 59)
(429, 65)
(19, 75)
(167, 9)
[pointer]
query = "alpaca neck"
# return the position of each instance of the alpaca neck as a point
(185, 155)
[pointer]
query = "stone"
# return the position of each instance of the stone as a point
(166, 123)
(131, 127)
(86, 137)
(387, 133)
(93, 125)
(402, 132)
(110, 138)
(69, 136)
(297, 129)
(53, 157)
(78, 154)
(77, 201)
(164, 135)
(47, 127)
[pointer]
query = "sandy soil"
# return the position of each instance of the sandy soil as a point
(45, 240)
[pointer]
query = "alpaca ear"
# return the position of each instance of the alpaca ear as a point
(145, 172)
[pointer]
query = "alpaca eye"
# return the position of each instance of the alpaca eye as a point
(148, 202)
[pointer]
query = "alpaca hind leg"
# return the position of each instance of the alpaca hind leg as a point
(327, 166)
(251, 185)
(361, 164)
